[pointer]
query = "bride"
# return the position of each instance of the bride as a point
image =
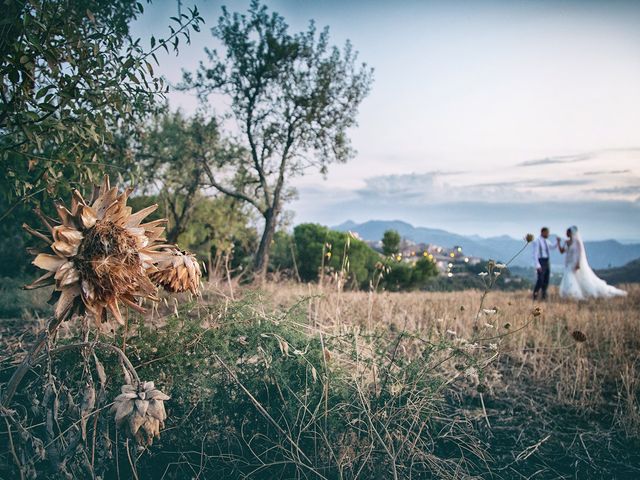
(579, 282)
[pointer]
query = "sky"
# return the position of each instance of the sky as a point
(485, 117)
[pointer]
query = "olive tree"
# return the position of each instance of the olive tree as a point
(294, 97)
(71, 75)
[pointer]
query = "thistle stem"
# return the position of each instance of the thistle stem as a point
(32, 358)
(26, 364)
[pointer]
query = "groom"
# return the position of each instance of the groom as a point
(541, 254)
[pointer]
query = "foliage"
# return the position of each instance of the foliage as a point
(294, 98)
(390, 242)
(70, 76)
(408, 276)
(173, 154)
(319, 248)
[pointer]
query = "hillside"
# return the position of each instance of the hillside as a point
(602, 254)
(629, 273)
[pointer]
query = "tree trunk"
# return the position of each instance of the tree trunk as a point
(261, 261)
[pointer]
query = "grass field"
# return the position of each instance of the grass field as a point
(511, 389)
(552, 406)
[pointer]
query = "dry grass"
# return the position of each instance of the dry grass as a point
(572, 369)
(554, 395)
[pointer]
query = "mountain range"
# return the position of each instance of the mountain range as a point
(602, 254)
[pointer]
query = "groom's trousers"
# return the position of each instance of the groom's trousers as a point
(542, 282)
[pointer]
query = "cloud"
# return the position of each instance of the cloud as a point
(580, 157)
(607, 172)
(557, 159)
(434, 187)
(534, 183)
(626, 190)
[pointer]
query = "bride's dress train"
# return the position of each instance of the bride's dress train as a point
(583, 283)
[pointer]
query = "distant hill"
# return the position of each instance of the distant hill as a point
(629, 273)
(602, 254)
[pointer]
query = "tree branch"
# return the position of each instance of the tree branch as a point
(231, 193)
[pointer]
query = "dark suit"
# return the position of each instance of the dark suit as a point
(542, 282)
(541, 256)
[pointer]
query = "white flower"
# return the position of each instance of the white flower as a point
(452, 332)
(483, 274)
(493, 346)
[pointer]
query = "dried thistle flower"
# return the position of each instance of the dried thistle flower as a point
(579, 336)
(536, 312)
(102, 254)
(529, 237)
(178, 271)
(140, 410)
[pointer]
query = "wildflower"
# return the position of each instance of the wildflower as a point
(578, 336)
(452, 333)
(140, 410)
(536, 312)
(501, 265)
(491, 264)
(102, 254)
(490, 311)
(493, 346)
(483, 274)
(488, 325)
(529, 237)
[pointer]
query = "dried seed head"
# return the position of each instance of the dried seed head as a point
(529, 237)
(140, 411)
(102, 254)
(536, 312)
(578, 336)
(177, 271)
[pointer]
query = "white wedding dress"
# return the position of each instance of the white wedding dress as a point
(583, 283)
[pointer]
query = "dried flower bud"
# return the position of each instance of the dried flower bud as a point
(140, 410)
(529, 237)
(578, 336)
(178, 271)
(536, 312)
